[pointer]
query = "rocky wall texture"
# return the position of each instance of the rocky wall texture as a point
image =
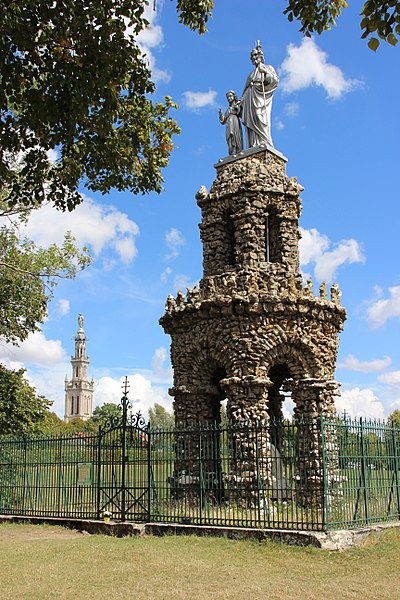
(251, 329)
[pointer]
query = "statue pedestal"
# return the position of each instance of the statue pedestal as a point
(249, 152)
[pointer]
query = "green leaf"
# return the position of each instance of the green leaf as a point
(373, 44)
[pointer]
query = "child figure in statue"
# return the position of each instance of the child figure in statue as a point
(234, 134)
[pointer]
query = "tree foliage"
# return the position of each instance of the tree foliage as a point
(74, 80)
(21, 410)
(161, 417)
(394, 418)
(28, 275)
(378, 18)
(103, 413)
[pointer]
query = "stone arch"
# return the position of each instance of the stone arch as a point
(288, 366)
(301, 359)
(297, 368)
(198, 391)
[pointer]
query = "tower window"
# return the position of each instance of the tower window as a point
(273, 251)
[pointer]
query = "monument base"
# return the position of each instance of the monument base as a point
(249, 152)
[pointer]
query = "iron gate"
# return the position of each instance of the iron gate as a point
(124, 481)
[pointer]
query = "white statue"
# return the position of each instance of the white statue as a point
(256, 101)
(234, 135)
(80, 322)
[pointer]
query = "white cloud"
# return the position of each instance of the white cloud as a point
(196, 100)
(182, 282)
(291, 109)
(358, 402)
(151, 39)
(49, 381)
(158, 361)
(312, 245)
(306, 65)
(174, 240)
(383, 309)
(392, 378)
(165, 274)
(351, 363)
(346, 251)
(98, 226)
(142, 393)
(279, 125)
(63, 307)
(314, 248)
(35, 350)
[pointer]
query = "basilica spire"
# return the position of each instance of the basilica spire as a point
(79, 390)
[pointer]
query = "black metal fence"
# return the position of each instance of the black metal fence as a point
(312, 475)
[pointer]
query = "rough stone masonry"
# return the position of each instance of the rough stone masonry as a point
(250, 329)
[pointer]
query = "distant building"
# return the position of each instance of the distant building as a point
(79, 391)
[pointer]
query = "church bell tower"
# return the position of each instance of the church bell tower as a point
(79, 390)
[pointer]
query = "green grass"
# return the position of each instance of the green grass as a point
(39, 562)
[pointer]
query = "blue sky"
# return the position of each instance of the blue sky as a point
(335, 117)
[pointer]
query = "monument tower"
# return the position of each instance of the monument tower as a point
(79, 390)
(250, 329)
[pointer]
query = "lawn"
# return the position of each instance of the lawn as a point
(39, 562)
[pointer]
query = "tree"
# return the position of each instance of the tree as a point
(394, 418)
(52, 425)
(21, 410)
(104, 413)
(28, 275)
(74, 80)
(380, 17)
(161, 417)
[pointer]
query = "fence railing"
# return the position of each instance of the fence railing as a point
(311, 474)
(367, 484)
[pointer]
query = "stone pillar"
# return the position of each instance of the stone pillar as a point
(249, 441)
(317, 457)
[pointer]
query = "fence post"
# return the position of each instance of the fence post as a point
(396, 465)
(60, 473)
(123, 469)
(25, 441)
(364, 471)
(325, 512)
(258, 473)
(200, 474)
(98, 472)
(149, 472)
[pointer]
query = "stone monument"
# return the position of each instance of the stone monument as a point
(251, 329)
